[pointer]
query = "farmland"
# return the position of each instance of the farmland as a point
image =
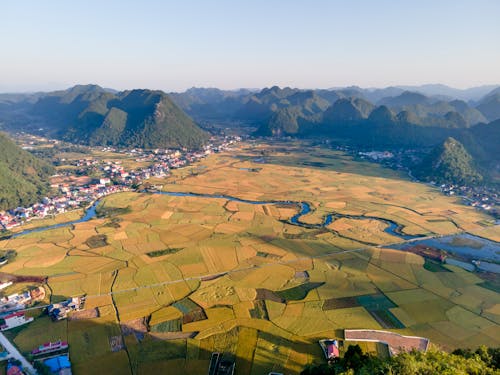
(205, 274)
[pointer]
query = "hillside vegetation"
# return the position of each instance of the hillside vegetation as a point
(449, 162)
(92, 115)
(483, 361)
(23, 178)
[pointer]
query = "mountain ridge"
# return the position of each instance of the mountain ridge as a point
(92, 115)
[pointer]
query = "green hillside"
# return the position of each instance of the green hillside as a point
(137, 118)
(23, 178)
(449, 162)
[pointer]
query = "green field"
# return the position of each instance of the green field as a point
(194, 275)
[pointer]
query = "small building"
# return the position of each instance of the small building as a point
(50, 347)
(59, 311)
(59, 365)
(104, 181)
(14, 320)
(13, 369)
(6, 284)
(332, 349)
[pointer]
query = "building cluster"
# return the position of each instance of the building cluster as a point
(113, 178)
(69, 198)
(60, 311)
(19, 301)
(16, 301)
(475, 196)
(377, 155)
(481, 197)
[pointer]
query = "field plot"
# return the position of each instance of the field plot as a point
(173, 279)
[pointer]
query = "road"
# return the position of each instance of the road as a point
(14, 353)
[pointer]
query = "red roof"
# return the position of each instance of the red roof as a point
(14, 370)
(19, 313)
(332, 351)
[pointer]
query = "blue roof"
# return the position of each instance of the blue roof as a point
(57, 363)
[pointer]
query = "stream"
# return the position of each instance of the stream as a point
(463, 244)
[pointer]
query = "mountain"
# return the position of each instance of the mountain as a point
(405, 99)
(23, 178)
(470, 94)
(482, 142)
(435, 111)
(375, 95)
(210, 103)
(348, 110)
(449, 162)
(428, 105)
(471, 115)
(382, 115)
(92, 115)
(490, 105)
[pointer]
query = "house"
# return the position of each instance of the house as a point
(14, 320)
(13, 369)
(50, 347)
(105, 181)
(59, 311)
(6, 284)
(332, 349)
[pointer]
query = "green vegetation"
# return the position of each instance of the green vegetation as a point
(96, 241)
(433, 266)
(23, 178)
(493, 285)
(106, 211)
(449, 163)
(159, 253)
(168, 326)
(299, 292)
(483, 361)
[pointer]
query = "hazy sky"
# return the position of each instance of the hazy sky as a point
(173, 45)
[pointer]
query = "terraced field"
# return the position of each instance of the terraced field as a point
(203, 275)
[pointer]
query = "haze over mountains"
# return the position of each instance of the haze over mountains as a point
(377, 118)
(420, 116)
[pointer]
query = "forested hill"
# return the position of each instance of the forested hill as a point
(449, 162)
(92, 115)
(23, 178)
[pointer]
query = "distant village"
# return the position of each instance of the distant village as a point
(480, 197)
(78, 189)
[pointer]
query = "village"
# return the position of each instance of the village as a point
(92, 178)
(481, 197)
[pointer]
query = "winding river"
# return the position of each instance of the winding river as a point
(89, 214)
(486, 249)
(305, 208)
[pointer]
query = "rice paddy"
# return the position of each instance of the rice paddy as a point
(204, 274)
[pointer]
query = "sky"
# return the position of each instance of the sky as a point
(174, 45)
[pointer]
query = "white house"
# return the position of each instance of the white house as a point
(14, 320)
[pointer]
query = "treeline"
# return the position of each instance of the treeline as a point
(483, 361)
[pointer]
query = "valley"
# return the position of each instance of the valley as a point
(257, 252)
